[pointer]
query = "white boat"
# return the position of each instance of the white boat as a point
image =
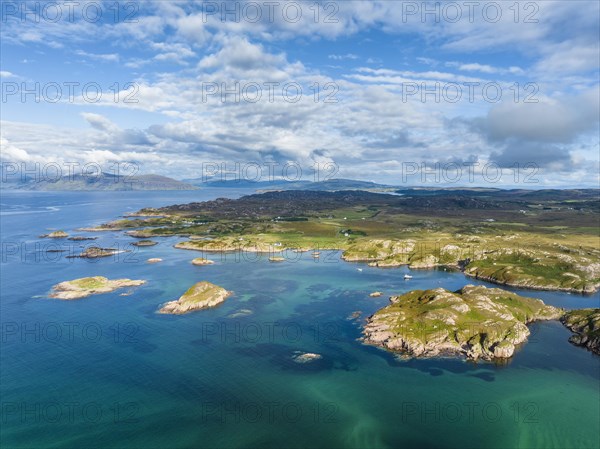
(359, 269)
(407, 277)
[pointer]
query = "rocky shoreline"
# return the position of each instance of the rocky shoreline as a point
(395, 254)
(585, 325)
(527, 284)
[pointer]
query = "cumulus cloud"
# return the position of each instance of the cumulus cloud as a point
(369, 129)
(522, 153)
(558, 120)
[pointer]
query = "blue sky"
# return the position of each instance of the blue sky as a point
(371, 61)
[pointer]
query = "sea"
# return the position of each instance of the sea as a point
(108, 371)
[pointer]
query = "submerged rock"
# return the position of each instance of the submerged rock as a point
(305, 357)
(240, 313)
(354, 315)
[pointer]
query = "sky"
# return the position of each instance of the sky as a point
(498, 94)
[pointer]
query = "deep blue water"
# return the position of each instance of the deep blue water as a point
(107, 371)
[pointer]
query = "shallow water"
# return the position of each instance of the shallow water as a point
(107, 371)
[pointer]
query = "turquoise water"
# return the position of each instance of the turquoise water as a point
(107, 371)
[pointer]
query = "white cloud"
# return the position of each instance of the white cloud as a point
(341, 57)
(110, 57)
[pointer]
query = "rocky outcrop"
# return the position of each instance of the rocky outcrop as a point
(80, 288)
(202, 295)
(474, 322)
(200, 261)
(585, 324)
(145, 243)
(380, 252)
(55, 235)
(94, 252)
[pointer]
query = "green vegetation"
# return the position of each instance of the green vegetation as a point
(202, 295)
(532, 239)
(476, 322)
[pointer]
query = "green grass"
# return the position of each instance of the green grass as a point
(90, 283)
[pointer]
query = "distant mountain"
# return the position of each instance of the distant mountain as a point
(345, 184)
(328, 185)
(243, 183)
(103, 182)
(505, 194)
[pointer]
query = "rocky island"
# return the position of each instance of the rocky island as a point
(95, 252)
(55, 235)
(201, 261)
(145, 243)
(585, 324)
(475, 322)
(202, 295)
(81, 288)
